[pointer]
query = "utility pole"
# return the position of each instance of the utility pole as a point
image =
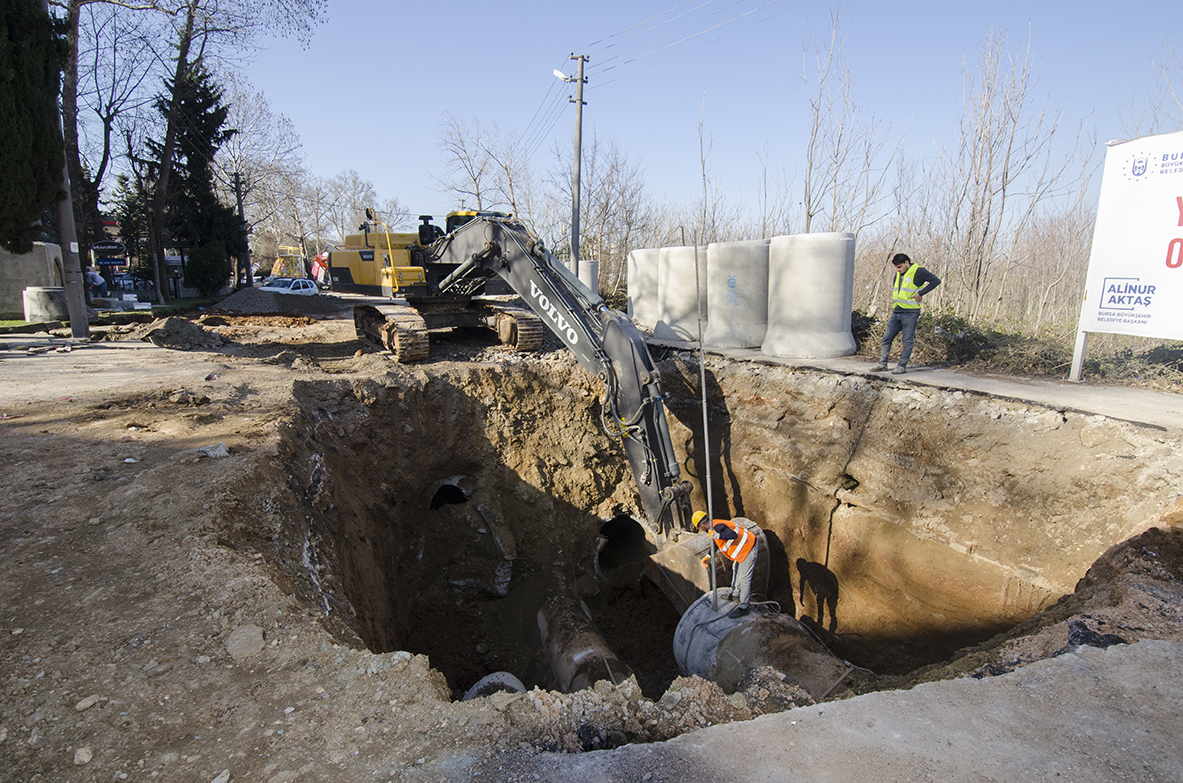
(579, 81)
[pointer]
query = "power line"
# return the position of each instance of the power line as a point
(676, 30)
(696, 48)
(708, 30)
(553, 119)
(591, 51)
(527, 130)
(549, 110)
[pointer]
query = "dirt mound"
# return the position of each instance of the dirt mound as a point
(254, 301)
(256, 320)
(176, 334)
(608, 716)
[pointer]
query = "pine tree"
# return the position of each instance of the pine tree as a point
(31, 157)
(131, 211)
(194, 216)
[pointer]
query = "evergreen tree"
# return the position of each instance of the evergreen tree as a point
(31, 158)
(194, 216)
(132, 208)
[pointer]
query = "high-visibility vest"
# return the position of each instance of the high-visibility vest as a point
(905, 289)
(737, 548)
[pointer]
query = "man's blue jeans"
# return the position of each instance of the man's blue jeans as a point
(900, 321)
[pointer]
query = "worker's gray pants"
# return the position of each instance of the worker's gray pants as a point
(741, 577)
(899, 321)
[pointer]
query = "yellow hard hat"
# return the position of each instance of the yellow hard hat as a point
(698, 517)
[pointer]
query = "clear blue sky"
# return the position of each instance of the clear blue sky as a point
(370, 91)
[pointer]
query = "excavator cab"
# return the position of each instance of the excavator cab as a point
(459, 217)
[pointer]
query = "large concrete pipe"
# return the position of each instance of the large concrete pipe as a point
(589, 275)
(737, 298)
(579, 656)
(723, 649)
(678, 296)
(810, 292)
(642, 286)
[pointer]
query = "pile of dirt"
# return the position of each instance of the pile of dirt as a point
(608, 716)
(254, 301)
(256, 320)
(177, 334)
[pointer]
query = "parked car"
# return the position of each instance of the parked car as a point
(301, 286)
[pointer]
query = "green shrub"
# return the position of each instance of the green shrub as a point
(948, 340)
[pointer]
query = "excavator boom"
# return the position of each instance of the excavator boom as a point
(604, 341)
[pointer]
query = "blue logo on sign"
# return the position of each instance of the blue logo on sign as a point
(1140, 166)
(1125, 293)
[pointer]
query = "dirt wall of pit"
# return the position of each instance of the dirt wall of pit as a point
(364, 460)
(935, 512)
(934, 518)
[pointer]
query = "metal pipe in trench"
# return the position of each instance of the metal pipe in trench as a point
(578, 654)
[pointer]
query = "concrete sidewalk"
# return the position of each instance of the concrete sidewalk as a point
(1145, 407)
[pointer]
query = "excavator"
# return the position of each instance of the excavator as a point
(447, 278)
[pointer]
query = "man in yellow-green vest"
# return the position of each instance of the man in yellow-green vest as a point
(912, 282)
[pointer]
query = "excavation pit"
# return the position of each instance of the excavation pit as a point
(435, 509)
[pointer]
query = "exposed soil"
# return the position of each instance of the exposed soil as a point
(160, 620)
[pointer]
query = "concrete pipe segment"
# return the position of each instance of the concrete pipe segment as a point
(589, 275)
(678, 307)
(810, 293)
(578, 655)
(723, 649)
(642, 286)
(737, 285)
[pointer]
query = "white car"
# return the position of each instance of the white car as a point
(301, 286)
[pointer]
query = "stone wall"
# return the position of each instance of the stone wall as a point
(40, 267)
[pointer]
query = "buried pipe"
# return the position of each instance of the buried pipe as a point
(716, 647)
(578, 654)
(497, 682)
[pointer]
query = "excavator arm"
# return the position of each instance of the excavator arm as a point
(604, 341)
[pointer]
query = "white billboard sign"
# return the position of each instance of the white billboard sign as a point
(1135, 273)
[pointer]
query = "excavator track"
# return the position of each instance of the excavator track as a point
(395, 328)
(519, 328)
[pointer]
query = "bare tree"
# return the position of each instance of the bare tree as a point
(1001, 174)
(774, 200)
(487, 169)
(348, 198)
(849, 153)
(265, 147)
(1161, 110)
(470, 166)
(116, 63)
(116, 71)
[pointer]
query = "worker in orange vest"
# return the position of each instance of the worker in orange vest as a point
(738, 544)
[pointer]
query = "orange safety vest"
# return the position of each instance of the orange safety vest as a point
(737, 548)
